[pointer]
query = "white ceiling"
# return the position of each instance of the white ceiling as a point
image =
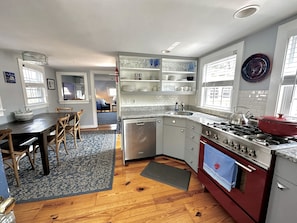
(89, 33)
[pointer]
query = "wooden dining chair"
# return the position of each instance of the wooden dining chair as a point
(64, 109)
(54, 141)
(74, 129)
(14, 151)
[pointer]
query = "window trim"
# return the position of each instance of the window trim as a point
(41, 69)
(284, 32)
(225, 52)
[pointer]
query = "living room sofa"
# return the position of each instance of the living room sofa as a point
(102, 105)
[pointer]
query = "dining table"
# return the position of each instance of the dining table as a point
(39, 126)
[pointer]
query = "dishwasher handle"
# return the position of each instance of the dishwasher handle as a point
(140, 123)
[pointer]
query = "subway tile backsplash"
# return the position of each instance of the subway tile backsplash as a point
(254, 100)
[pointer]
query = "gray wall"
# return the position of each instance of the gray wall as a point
(12, 94)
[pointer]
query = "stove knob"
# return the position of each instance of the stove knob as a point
(236, 146)
(252, 153)
(243, 149)
(215, 136)
(230, 143)
(207, 132)
(225, 141)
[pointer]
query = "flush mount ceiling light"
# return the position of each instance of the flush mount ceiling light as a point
(34, 57)
(169, 49)
(246, 11)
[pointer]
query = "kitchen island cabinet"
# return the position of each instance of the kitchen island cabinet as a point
(283, 196)
(174, 137)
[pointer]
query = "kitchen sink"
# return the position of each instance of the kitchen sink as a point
(186, 113)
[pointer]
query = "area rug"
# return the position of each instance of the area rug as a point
(163, 173)
(105, 118)
(87, 169)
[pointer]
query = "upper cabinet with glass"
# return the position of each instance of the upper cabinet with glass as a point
(179, 75)
(72, 87)
(139, 73)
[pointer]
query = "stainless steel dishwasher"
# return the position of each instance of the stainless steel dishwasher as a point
(139, 138)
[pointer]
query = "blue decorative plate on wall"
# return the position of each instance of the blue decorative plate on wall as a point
(255, 68)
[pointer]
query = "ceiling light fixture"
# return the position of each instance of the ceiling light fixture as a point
(169, 49)
(34, 58)
(246, 11)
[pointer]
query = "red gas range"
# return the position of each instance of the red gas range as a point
(236, 166)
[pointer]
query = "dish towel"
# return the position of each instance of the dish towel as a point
(220, 167)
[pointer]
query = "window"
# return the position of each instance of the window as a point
(34, 86)
(282, 96)
(1, 108)
(287, 103)
(112, 92)
(219, 80)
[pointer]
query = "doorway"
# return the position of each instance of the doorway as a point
(106, 98)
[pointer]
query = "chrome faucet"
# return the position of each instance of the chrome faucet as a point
(182, 106)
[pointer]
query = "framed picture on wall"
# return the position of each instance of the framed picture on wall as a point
(51, 84)
(9, 77)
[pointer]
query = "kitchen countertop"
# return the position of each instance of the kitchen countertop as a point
(197, 116)
(290, 153)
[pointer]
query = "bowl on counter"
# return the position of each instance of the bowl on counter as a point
(23, 116)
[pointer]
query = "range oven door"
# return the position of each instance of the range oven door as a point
(247, 201)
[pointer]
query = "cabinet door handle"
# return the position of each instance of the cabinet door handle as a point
(280, 186)
(173, 121)
(182, 130)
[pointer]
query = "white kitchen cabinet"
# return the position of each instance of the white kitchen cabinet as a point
(193, 133)
(283, 196)
(179, 75)
(153, 74)
(159, 135)
(139, 73)
(174, 137)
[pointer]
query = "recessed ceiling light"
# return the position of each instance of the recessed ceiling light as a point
(246, 11)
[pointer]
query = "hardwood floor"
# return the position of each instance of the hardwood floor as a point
(133, 198)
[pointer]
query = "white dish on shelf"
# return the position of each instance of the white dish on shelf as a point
(172, 78)
(128, 88)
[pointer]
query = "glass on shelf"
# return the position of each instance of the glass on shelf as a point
(138, 62)
(179, 66)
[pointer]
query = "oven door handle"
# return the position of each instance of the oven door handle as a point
(244, 167)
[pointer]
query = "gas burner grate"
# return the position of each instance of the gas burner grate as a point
(239, 130)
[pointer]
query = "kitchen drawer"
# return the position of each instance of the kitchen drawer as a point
(191, 135)
(194, 126)
(191, 154)
(175, 121)
(286, 169)
(282, 202)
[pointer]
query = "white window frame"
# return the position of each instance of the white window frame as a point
(284, 32)
(38, 68)
(223, 53)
